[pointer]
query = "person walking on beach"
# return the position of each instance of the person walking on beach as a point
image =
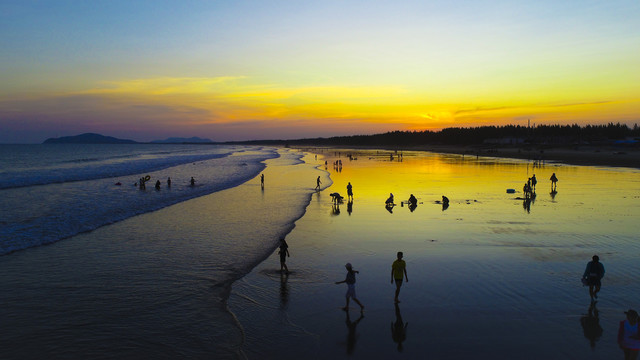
(351, 287)
(284, 253)
(168, 182)
(398, 272)
(349, 192)
(318, 182)
(554, 182)
(193, 181)
(262, 181)
(628, 335)
(593, 274)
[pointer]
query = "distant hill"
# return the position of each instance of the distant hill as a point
(88, 138)
(178, 140)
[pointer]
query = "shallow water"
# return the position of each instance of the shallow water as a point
(154, 285)
(489, 277)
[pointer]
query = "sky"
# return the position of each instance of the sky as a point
(253, 70)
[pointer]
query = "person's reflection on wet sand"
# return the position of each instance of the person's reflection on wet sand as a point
(350, 207)
(335, 210)
(399, 329)
(389, 208)
(351, 335)
(591, 325)
(284, 291)
(526, 204)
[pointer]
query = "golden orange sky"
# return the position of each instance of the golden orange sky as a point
(282, 71)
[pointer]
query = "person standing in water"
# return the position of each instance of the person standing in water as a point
(349, 192)
(262, 181)
(534, 181)
(351, 287)
(554, 182)
(398, 273)
(284, 253)
(318, 182)
(193, 181)
(593, 274)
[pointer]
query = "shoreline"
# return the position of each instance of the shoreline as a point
(586, 155)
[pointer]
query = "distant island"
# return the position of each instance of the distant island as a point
(92, 138)
(179, 140)
(88, 138)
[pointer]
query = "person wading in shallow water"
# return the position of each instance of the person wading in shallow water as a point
(284, 253)
(351, 287)
(593, 274)
(398, 273)
(554, 182)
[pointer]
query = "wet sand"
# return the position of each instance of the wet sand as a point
(489, 278)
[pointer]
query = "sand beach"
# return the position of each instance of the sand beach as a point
(489, 277)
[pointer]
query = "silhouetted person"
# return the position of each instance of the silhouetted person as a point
(192, 181)
(318, 182)
(593, 274)
(389, 200)
(349, 191)
(350, 280)
(284, 253)
(413, 200)
(398, 273)
(534, 181)
(351, 335)
(554, 182)
(262, 181)
(628, 335)
(591, 325)
(168, 182)
(158, 185)
(445, 200)
(399, 329)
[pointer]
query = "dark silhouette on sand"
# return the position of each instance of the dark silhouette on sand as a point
(593, 275)
(350, 280)
(398, 274)
(284, 253)
(554, 182)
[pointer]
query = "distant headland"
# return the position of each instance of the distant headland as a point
(88, 138)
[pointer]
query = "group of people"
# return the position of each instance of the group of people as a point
(143, 180)
(529, 188)
(398, 275)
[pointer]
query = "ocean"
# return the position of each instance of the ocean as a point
(154, 283)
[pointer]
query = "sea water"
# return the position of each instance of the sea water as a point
(51, 192)
(131, 273)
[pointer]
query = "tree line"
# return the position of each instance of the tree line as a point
(514, 134)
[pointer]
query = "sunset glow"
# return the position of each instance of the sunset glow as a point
(279, 70)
